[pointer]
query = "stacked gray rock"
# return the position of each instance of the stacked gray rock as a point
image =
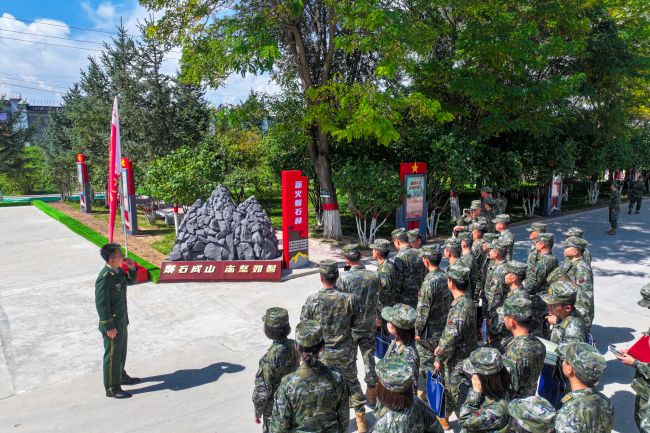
(220, 230)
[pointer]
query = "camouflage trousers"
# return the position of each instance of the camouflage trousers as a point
(266, 424)
(638, 201)
(345, 358)
(641, 415)
(539, 326)
(366, 341)
(427, 358)
(613, 219)
(453, 378)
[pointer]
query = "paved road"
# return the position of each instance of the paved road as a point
(197, 346)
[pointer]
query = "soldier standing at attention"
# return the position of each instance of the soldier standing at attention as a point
(485, 192)
(364, 285)
(415, 239)
(584, 410)
(490, 213)
(636, 190)
(394, 234)
(569, 326)
(524, 356)
(502, 225)
(338, 314)
(614, 207)
(479, 229)
(315, 397)
(110, 300)
(281, 359)
(502, 201)
(409, 272)
(386, 272)
(533, 255)
(495, 289)
(531, 415)
(498, 332)
(468, 259)
(452, 251)
(579, 233)
(536, 282)
(458, 340)
(581, 274)
(434, 302)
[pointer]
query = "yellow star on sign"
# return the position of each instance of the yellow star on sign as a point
(415, 167)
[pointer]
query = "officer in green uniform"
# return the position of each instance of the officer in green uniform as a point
(110, 300)
(531, 414)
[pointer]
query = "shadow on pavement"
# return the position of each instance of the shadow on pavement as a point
(185, 379)
(604, 336)
(623, 402)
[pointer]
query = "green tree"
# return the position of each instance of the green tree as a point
(13, 137)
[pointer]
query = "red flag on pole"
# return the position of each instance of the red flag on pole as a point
(114, 169)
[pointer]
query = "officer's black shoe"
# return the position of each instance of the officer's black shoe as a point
(120, 394)
(129, 380)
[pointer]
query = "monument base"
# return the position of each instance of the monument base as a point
(219, 271)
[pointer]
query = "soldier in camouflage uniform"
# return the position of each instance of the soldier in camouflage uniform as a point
(502, 202)
(568, 325)
(577, 232)
(463, 224)
(581, 274)
(536, 282)
(468, 259)
(433, 307)
(485, 192)
(584, 410)
(281, 359)
(488, 263)
(490, 214)
(338, 313)
(533, 255)
(364, 285)
(635, 194)
(531, 414)
(495, 289)
(395, 233)
(479, 229)
(524, 357)
(315, 397)
(415, 417)
(485, 409)
(497, 331)
(415, 240)
(386, 272)
(458, 340)
(502, 224)
(409, 272)
(614, 208)
(402, 317)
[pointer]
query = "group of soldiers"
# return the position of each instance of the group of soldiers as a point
(481, 317)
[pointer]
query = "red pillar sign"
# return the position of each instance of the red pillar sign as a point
(295, 234)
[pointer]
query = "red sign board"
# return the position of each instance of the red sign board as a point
(215, 271)
(295, 234)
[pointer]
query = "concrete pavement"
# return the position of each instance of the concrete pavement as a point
(196, 346)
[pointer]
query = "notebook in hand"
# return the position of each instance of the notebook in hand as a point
(641, 349)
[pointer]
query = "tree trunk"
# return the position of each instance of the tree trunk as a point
(319, 154)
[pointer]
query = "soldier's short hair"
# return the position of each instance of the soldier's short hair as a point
(435, 259)
(353, 257)
(524, 322)
(455, 252)
(383, 254)
(468, 242)
(330, 277)
(108, 251)
(403, 238)
(461, 285)
(501, 254)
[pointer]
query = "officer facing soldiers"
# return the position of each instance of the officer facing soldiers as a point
(110, 301)
(315, 397)
(579, 233)
(581, 274)
(338, 313)
(524, 355)
(502, 226)
(409, 272)
(498, 332)
(531, 415)
(364, 285)
(465, 221)
(281, 359)
(386, 272)
(434, 302)
(614, 207)
(536, 281)
(502, 201)
(533, 255)
(635, 194)
(569, 326)
(584, 409)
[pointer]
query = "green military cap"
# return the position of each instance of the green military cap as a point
(458, 272)
(486, 189)
(276, 317)
(645, 294)
(502, 190)
(499, 245)
(537, 227)
(585, 359)
(490, 201)
(401, 315)
(476, 204)
(485, 360)
(380, 245)
(491, 236)
(465, 236)
(555, 275)
(533, 414)
(309, 333)
(395, 374)
(397, 232)
(413, 234)
(351, 249)
(452, 243)
(575, 242)
(574, 231)
(517, 268)
(328, 267)
(560, 292)
(431, 250)
(502, 218)
(544, 237)
(517, 307)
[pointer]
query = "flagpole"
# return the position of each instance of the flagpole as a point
(121, 195)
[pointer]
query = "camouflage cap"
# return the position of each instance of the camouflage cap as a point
(502, 190)
(486, 189)
(351, 249)
(575, 242)
(491, 236)
(414, 235)
(545, 237)
(517, 268)
(458, 272)
(485, 360)
(395, 374)
(380, 245)
(328, 267)
(401, 315)
(452, 243)
(534, 414)
(465, 236)
(395, 233)
(502, 218)
(431, 249)
(479, 225)
(276, 317)
(585, 359)
(490, 201)
(645, 294)
(309, 333)
(476, 204)
(555, 275)
(560, 292)
(574, 231)
(537, 227)
(499, 245)
(517, 307)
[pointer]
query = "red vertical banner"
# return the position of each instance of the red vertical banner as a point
(416, 187)
(114, 169)
(295, 231)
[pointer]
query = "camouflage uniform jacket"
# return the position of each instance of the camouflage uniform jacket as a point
(535, 282)
(417, 418)
(495, 289)
(407, 352)
(636, 190)
(524, 359)
(468, 260)
(533, 256)
(582, 275)
(491, 215)
(312, 400)
(458, 340)
(364, 284)
(615, 201)
(570, 329)
(434, 301)
(507, 235)
(500, 205)
(386, 273)
(641, 381)
(585, 411)
(408, 276)
(481, 258)
(281, 359)
(484, 414)
(498, 326)
(567, 260)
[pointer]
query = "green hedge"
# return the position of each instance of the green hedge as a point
(15, 203)
(92, 235)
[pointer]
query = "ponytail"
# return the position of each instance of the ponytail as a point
(309, 355)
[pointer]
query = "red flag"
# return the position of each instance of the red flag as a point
(114, 169)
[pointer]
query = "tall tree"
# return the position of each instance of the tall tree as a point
(13, 137)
